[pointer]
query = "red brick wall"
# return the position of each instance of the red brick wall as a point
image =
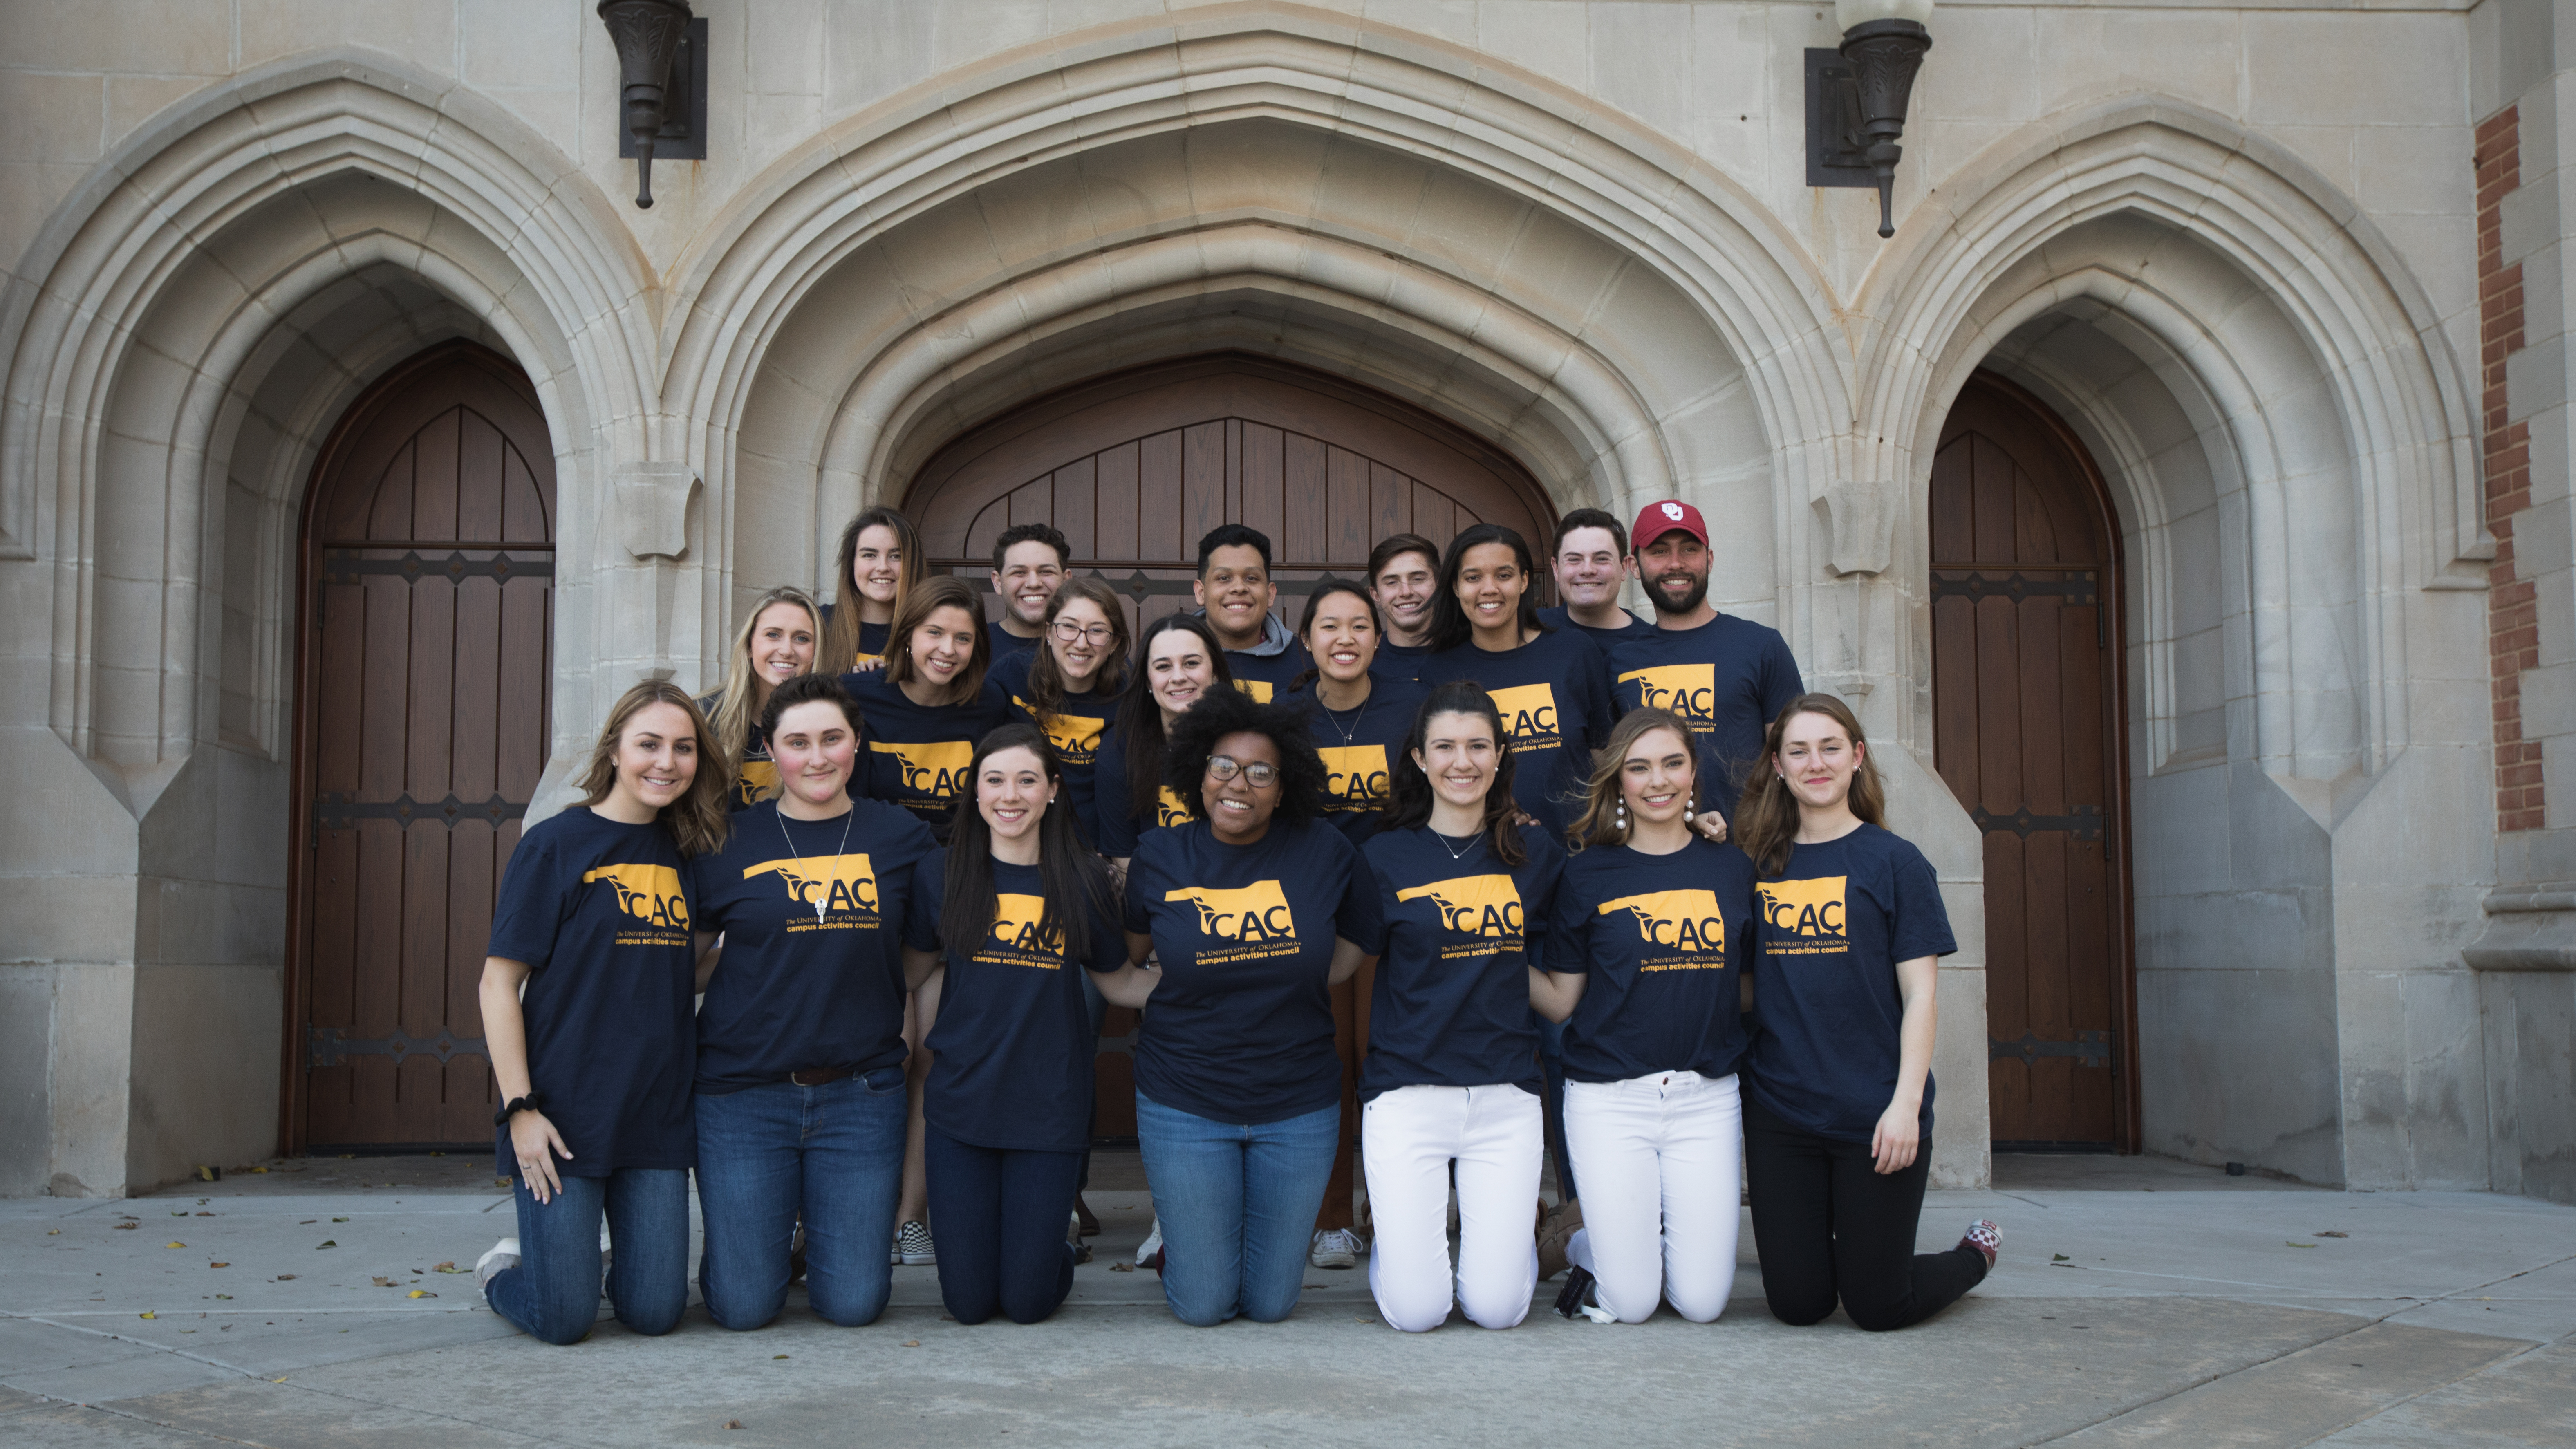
(2513, 616)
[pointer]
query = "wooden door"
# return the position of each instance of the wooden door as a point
(2026, 702)
(1135, 468)
(426, 615)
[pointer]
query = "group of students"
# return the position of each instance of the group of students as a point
(1461, 880)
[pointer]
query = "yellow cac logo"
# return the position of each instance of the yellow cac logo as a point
(646, 892)
(1811, 908)
(1076, 737)
(1529, 715)
(936, 770)
(1017, 927)
(1259, 689)
(759, 780)
(836, 882)
(1676, 920)
(1473, 905)
(1355, 777)
(1688, 690)
(1171, 809)
(1257, 912)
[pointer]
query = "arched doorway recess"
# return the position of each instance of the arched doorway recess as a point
(424, 628)
(2029, 732)
(1136, 466)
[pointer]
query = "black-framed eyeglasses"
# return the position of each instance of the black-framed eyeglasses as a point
(1074, 633)
(1261, 773)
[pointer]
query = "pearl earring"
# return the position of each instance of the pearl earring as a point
(1619, 818)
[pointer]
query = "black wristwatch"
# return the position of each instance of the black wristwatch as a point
(534, 1101)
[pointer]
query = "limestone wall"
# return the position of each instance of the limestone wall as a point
(2235, 247)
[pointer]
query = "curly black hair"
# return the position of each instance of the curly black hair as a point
(1221, 712)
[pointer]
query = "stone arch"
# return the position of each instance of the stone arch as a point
(1392, 273)
(2284, 323)
(211, 297)
(2286, 434)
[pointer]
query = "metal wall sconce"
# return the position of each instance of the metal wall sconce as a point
(662, 63)
(1856, 96)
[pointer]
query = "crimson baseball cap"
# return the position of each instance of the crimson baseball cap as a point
(1657, 519)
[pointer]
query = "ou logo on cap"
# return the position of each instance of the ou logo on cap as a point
(1673, 511)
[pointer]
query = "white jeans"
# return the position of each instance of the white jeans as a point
(1408, 1138)
(1661, 1160)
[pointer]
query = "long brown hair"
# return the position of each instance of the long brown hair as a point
(699, 819)
(919, 604)
(1074, 883)
(840, 651)
(737, 707)
(1603, 821)
(1766, 817)
(1046, 681)
(1140, 717)
(1408, 806)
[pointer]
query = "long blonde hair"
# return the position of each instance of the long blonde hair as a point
(1603, 821)
(944, 592)
(1766, 818)
(699, 819)
(840, 650)
(737, 703)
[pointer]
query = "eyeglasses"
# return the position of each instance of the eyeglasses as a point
(1073, 633)
(1261, 773)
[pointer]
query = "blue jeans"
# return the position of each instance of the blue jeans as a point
(1002, 1215)
(1237, 1205)
(834, 1151)
(1551, 1066)
(553, 1293)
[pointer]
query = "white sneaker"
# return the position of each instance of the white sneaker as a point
(503, 1254)
(1335, 1248)
(1149, 1254)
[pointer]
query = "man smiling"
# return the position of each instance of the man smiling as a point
(1590, 562)
(1404, 577)
(1029, 564)
(1235, 594)
(1727, 677)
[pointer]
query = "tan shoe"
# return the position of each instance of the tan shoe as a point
(1553, 1235)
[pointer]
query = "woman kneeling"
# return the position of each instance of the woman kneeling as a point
(1009, 1098)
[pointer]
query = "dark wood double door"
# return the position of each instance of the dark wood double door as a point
(2026, 666)
(424, 629)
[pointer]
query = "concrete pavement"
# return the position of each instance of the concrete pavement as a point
(2137, 1300)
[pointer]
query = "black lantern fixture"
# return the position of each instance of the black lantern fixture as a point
(1856, 96)
(649, 35)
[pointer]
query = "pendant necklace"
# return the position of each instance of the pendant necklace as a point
(1455, 856)
(1326, 710)
(846, 823)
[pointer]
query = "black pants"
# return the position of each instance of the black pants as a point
(1829, 1225)
(1002, 1216)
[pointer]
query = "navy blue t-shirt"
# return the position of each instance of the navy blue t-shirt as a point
(1562, 618)
(759, 773)
(1119, 825)
(1079, 731)
(794, 991)
(1728, 678)
(1554, 696)
(1265, 676)
(1011, 1052)
(1665, 940)
(872, 644)
(1007, 644)
(1826, 1006)
(600, 913)
(1360, 748)
(1401, 662)
(1241, 1027)
(1451, 1007)
(917, 756)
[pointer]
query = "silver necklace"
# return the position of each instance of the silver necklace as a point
(1455, 856)
(846, 822)
(1327, 711)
